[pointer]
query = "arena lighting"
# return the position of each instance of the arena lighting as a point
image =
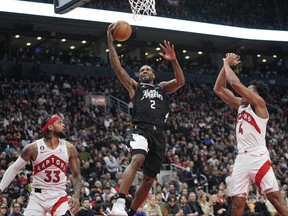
(41, 9)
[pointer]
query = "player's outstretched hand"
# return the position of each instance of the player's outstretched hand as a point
(169, 53)
(111, 27)
(232, 59)
(74, 205)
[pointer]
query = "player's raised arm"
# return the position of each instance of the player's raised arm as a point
(129, 83)
(179, 81)
(221, 90)
(236, 84)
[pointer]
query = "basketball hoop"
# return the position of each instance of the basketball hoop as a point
(142, 7)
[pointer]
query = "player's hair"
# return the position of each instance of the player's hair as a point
(84, 199)
(261, 87)
(14, 203)
(152, 69)
(47, 133)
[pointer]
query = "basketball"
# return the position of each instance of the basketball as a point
(122, 31)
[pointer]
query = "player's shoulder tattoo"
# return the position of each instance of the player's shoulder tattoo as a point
(71, 149)
(30, 152)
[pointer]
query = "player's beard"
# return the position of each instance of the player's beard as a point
(149, 80)
(60, 134)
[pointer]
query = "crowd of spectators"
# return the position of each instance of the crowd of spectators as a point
(200, 66)
(257, 14)
(249, 14)
(200, 138)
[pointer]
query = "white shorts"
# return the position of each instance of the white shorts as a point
(253, 166)
(48, 201)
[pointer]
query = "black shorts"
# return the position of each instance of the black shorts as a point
(150, 141)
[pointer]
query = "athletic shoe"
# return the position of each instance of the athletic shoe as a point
(118, 208)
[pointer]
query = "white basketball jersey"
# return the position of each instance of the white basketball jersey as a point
(250, 129)
(50, 166)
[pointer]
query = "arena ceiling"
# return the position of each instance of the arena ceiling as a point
(51, 29)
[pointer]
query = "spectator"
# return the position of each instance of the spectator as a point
(100, 170)
(151, 207)
(160, 199)
(171, 208)
(16, 209)
(172, 191)
(117, 187)
(112, 166)
(221, 207)
(212, 202)
(86, 170)
(107, 195)
(205, 206)
(260, 206)
(194, 204)
(184, 206)
(86, 208)
(3, 210)
(108, 178)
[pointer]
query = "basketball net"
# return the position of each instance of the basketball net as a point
(142, 7)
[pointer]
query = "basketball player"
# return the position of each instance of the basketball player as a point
(150, 111)
(253, 161)
(50, 157)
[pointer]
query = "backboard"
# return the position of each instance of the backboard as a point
(64, 6)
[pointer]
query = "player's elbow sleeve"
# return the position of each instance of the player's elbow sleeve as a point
(11, 172)
(19, 163)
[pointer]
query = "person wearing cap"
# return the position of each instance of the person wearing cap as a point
(50, 157)
(3, 210)
(200, 191)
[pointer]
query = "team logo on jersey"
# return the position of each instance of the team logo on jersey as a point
(151, 94)
(247, 117)
(50, 161)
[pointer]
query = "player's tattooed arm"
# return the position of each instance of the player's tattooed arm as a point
(75, 168)
(29, 152)
(77, 179)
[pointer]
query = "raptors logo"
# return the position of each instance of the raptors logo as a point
(50, 161)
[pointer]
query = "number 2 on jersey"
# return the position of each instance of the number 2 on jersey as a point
(152, 104)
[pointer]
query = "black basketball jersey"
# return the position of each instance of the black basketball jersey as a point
(150, 105)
